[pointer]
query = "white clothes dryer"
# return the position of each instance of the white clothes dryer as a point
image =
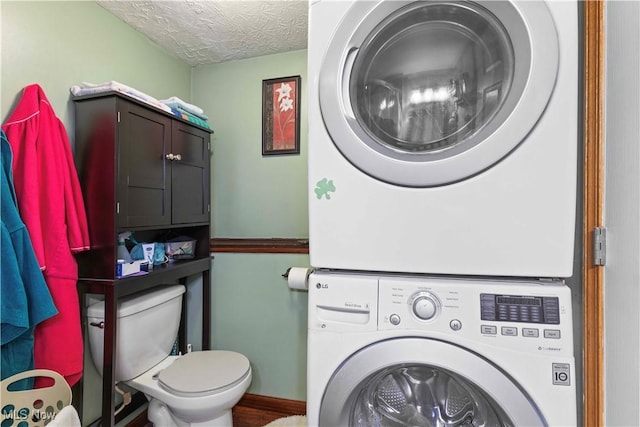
(443, 136)
(425, 351)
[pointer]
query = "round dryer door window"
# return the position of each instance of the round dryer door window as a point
(424, 94)
(435, 384)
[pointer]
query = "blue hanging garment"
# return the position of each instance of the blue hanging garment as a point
(26, 300)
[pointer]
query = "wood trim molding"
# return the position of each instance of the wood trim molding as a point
(272, 246)
(594, 45)
(286, 407)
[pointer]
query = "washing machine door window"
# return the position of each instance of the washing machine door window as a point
(425, 382)
(428, 93)
(424, 395)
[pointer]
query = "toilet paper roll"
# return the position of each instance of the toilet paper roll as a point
(298, 278)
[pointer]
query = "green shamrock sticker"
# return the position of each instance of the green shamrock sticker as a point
(324, 187)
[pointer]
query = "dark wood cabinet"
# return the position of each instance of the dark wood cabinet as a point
(146, 171)
(189, 174)
(164, 169)
(141, 170)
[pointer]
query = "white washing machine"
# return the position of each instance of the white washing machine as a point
(428, 351)
(443, 136)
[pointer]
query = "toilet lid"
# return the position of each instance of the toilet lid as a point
(204, 372)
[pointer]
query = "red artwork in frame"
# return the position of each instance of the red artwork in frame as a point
(281, 116)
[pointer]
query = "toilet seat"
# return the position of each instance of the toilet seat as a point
(204, 372)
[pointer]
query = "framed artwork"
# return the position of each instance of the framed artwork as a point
(281, 116)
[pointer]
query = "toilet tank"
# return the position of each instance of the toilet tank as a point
(146, 328)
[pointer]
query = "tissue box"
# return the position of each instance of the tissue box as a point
(128, 268)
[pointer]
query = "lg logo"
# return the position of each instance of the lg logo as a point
(322, 286)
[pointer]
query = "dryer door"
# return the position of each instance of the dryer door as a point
(423, 382)
(424, 94)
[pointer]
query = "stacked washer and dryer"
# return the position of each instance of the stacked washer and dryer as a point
(442, 173)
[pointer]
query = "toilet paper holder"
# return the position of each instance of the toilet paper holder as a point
(297, 278)
(285, 275)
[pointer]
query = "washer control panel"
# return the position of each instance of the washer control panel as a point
(516, 314)
(520, 308)
(420, 305)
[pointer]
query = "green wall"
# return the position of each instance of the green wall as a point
(253, 196)
(60, 44)
(254, 312)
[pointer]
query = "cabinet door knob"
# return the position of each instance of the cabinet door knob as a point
(169, 156)
(177, 157)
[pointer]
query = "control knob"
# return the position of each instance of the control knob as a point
(425, 305)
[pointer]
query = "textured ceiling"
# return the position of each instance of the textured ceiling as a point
(210, 31)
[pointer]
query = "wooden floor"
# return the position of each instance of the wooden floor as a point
(249, 417)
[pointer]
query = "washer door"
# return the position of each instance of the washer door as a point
(423, 382)
(424, 93)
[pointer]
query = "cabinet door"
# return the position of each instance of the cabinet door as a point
(144, 193)
(190, 174)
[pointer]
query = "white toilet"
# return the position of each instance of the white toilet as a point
(197, 389)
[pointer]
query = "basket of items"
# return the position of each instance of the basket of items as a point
(180, 248)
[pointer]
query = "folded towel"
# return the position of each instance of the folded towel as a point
(90, 88)
(184, 110)
(191, 118)
(175, 102)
